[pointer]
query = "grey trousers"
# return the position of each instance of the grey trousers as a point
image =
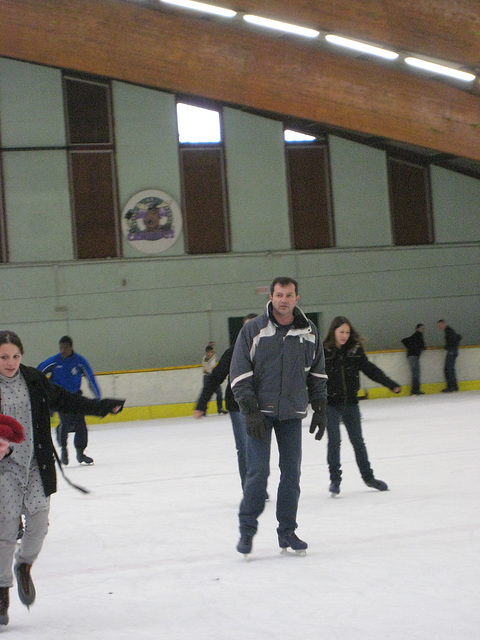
(36, 527)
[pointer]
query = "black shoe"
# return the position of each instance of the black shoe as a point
(447, 390)
(334, 488)
(377, 484)
(245, 544)
(222, 412)
(4, 602)
(64, 456)
(25, 586)
(290, 539)
(81, 457)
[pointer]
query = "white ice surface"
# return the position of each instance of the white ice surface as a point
(150, 553)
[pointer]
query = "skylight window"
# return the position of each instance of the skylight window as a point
(296, 136)
(196, 124)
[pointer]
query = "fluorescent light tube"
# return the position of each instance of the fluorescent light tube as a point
(281, 26)
(360, 46)
(439, 68)
(200, 6)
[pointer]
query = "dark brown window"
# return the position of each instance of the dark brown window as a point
(204, 199)
(91, 162)
(410, 202)
(93, 204)
(310, 195)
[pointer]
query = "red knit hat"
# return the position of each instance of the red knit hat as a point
(11, 429)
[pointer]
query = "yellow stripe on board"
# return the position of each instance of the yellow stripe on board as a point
(185, 409)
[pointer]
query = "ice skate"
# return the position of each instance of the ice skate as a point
(245, 545)
(377, 484)
(81, 457)
(289, 539)
(334, 489)
(25, 586)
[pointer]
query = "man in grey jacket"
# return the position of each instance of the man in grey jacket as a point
(277, 368)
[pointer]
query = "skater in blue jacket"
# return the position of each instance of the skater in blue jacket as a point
(66, 369)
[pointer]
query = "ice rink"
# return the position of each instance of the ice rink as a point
(150, 552)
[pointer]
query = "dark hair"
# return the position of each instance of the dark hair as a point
(209, 348)
(66, 340)
(441, 320)
(355, 337)
(284, 282)
(10, 337)
(249, 316)
(420, 324)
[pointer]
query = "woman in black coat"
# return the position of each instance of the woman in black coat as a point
(27, 469)
(344, 359)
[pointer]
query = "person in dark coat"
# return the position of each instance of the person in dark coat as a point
(212, 382)
(27, 469)
(209, 362)
(415, 345)
(277, 370)
(344, 359)
(452, 340)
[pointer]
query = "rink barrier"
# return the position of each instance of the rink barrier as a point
(172, 392)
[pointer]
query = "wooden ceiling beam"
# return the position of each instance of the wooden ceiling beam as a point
(178, 53)
(445, 29)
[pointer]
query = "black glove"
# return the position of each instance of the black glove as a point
(107, 404)
(256, 421)
(319, 418)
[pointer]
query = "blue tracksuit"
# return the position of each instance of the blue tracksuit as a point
(67, 372)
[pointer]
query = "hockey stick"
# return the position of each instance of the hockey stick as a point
(72, 484)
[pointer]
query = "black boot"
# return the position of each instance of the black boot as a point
(334, 487)
(81, 457)
(377, 484)
(25, 586)
(290, 539)
(245, 544)
(4, 602)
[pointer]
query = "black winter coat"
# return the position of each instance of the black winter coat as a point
(45, 396)
(415, 344)
(215, 379)
(452, 339)
(343, 366)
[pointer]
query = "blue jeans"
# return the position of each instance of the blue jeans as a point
(289, 440)
(240, 435)
(449, 370)
(350, 416)
(414, 362)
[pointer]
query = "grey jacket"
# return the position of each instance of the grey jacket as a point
(284, 372)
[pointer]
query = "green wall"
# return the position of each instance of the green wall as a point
(256, 179)
(360, 194)
(145, 311)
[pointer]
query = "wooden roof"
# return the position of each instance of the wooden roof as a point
(156, 45)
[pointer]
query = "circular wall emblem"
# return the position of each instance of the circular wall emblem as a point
(152, 221)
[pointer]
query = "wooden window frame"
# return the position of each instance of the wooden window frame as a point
(302, 221)
(405, 229)
(81, 245)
